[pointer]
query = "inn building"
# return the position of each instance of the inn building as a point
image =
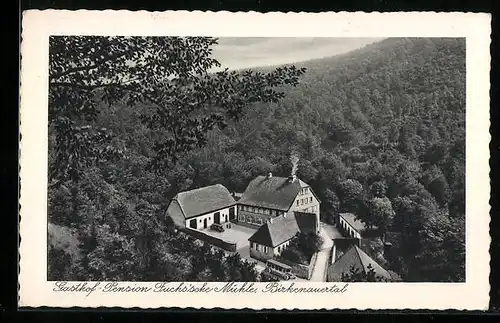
(268, 197)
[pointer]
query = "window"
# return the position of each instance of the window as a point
(297, 202)
(311, 199)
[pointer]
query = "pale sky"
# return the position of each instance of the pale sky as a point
(245, 52)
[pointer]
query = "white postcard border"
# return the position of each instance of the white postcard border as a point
(35, 291)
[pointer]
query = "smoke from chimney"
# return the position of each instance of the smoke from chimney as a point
(294, 158)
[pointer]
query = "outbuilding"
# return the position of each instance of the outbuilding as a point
(201, 207)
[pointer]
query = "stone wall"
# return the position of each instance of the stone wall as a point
(226, 245)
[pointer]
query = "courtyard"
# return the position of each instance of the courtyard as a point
(331, 231)
(239, 234)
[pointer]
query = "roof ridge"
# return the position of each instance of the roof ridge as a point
(356, 248)
(365, 267)
(200, 188)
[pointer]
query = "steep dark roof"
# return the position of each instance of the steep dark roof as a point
(353, 222)
(284, 228)
(357, 258)
(273, 193)
(306, 222)
(203, 200)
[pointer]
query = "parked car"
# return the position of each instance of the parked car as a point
(282, 275)
(267, 276)
(217, 227)
(279, 269)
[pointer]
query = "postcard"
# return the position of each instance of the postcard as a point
(254, 161)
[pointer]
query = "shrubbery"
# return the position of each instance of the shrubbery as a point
(302, 247)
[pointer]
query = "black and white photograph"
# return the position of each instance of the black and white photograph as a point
(256, 159)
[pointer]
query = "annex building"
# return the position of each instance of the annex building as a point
(201, 207)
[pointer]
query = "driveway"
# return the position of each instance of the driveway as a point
(236, 233)
(331, 231)
(321, 266)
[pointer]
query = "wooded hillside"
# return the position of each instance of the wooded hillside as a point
(380, 132)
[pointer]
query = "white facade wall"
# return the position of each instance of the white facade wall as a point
(279, 249)
(306, 202)
(261, 252)
(276, 251)
(200, 220)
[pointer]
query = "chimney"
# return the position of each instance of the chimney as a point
(269, 175)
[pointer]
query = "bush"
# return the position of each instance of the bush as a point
(357, 275)
(58, 264)
(292, 253)
(302, 247)
(309, 244)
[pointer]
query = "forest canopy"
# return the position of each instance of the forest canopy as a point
(380, 132)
